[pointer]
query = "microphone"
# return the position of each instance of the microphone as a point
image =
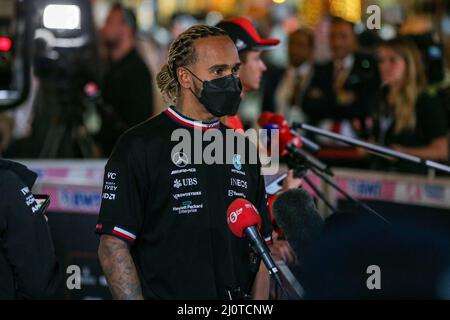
(290, 142)
(270, 120)
(244, 221)
(312, 161)
(373, 148)
(297, 215)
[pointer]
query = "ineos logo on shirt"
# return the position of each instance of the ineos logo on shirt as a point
(178, 183)
(238, 183)
(180, 159)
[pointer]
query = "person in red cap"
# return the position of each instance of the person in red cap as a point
(250, 46)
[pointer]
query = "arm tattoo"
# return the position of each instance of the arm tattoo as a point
(119, 269)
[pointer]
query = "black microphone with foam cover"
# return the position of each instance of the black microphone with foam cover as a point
(297, 215)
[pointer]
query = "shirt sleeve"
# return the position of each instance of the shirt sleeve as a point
(28, 243)
(123, 194)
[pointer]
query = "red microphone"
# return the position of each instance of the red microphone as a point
(245, 221)
(286, 135)
(270, 119)
(265, 118)
(242, 214)
(290, 142)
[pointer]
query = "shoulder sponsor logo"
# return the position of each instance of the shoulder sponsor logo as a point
(110, 186)
(111, 175)
(180, 159)
(186, 182)
(238, 183)
(109, 196)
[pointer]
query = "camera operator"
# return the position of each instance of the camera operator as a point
(127, 85)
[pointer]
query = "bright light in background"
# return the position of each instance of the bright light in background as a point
(349, 10)
(279, 1)
(5, 44)
(66, 17)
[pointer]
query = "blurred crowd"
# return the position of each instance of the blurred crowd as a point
(389, 92)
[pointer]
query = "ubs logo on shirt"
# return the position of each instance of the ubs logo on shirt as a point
(186, 182)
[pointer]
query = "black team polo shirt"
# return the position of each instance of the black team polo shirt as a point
(173, 215)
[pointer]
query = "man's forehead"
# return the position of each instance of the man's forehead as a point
(216, 50)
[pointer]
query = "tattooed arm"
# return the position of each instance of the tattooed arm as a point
(119, 269)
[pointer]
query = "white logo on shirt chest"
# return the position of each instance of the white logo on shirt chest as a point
(180, 159)
(178, 183)
(238, 183)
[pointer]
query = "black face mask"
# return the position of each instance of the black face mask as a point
(222, 96)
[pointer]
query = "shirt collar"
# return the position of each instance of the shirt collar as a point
(191, 123)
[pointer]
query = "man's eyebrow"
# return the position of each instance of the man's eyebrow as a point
(223, 66)
(218, 66)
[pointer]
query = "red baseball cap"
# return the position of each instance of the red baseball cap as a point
(244, 34)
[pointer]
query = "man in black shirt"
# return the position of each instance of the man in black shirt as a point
(163, 215)
(127, 87)
(28, 266)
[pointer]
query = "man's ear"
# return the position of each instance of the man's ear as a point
(184, 78)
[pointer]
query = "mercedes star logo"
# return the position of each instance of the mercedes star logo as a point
(180, 159)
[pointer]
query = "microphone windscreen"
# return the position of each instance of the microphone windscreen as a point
(265, 118)
(279, 120)
(296, 214)
(242, 214)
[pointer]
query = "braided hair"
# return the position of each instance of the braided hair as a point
(182, 53)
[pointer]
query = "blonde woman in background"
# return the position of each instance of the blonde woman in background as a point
(408, 119)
